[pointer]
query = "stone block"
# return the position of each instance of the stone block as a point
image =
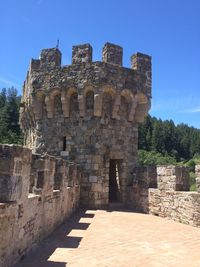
(92, 179)
(198, 184)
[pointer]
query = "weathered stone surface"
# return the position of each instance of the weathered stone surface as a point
(88, 113)
(86, 117)
(173, 178)
(170, 198)
(34, 198)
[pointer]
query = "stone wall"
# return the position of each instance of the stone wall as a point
(164, 191)
(138, 190)
(88, 112)
(36, 194)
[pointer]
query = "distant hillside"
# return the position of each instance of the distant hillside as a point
(180, 142)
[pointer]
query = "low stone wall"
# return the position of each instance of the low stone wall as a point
(137, 192)
(171, 199)
(36, 194)
(164, 191)
(179, 206)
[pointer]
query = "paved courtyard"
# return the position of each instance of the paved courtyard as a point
(118, 239)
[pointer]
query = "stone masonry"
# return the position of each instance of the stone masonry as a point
(80, 124)
(88, 112)
(164, 191)
(37, 193)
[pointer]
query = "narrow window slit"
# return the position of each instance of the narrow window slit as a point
(64, 143)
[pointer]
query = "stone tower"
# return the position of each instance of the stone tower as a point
(88, 112)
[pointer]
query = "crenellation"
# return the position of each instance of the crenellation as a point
(112, 54)
(173, 178)
(81, 54)
(14, 166)
(50, 58)
(35, 196)
(34, 65)
(163, 191)
(142, 64)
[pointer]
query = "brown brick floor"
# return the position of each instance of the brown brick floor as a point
(118, 239)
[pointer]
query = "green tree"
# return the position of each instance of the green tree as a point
(9, 117)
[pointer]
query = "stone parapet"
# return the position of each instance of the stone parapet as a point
(162, 191)
(112, 54)
(14, 172)
(173, 178)
(179, 206)
(46, 80)
(37, 193)
(81, 54)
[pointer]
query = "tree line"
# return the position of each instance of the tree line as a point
(10, 132)
(164, 138)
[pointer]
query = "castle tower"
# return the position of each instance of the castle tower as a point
(88, 112)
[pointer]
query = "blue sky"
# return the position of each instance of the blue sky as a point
(169, 31)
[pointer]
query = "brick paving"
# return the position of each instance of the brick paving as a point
(118, 239)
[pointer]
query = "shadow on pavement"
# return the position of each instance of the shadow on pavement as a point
(58, 239)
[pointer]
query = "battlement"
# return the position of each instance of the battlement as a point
(48, 84)
(164, 191)
(49, 58)
(112, 54)
(37, 193)
(81, 54)
(23, 173)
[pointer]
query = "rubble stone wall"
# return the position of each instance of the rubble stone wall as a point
(179, 206)
(164, 191)
(36, 194)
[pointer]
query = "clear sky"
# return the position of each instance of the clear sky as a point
(168, 30)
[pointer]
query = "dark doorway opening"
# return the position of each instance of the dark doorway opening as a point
(114, 183)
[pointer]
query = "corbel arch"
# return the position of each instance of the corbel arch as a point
(88, 100)
(72, 98)
(128, 104)
(38, 104)
(143, 105)
(108, 101)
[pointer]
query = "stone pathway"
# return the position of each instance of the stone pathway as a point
(118, 239)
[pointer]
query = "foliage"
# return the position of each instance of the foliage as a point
(193, 187)
(181, 142)
(192, 179)
(9, 117)
(147, 158)
(162, 143)
(191, 165)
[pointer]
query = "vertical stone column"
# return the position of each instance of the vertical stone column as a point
(49, 106)
(197, 172)
(50, 57)
(98, 105)
(142, 64)
(43, 169)
(112, 54)
(15, 164)
(81, 54)
(173, 178)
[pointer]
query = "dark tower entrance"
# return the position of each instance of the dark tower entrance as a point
(114, 183)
